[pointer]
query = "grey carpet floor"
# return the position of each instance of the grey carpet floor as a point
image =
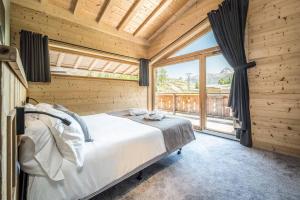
(214, 168)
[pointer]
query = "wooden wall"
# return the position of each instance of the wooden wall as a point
(273, 41)
(66, 31)
(90, 95)
(13, 93)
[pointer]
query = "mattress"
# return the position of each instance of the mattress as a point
(120, 146)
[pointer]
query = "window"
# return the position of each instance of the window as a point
(178, 78)
(218, 73)
(89, 66)
(177, 90)
(196, 87)
(204, 42)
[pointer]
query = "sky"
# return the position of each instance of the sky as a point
(214, 64)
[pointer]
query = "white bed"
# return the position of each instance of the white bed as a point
(120, 144)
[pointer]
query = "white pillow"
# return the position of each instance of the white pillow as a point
(38, 152)
(69, 139)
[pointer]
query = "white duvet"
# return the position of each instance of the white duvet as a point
(120, 145)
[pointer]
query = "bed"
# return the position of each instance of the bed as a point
(123, 145)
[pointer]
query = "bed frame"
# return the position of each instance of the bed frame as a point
(11, 176)
(17, 180)
(138, 171)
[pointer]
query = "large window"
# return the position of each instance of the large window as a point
(218, 82)
(196, 86)
(218, 74)
(177, 90)
(76, 64)
(204, 42)
(178, 78)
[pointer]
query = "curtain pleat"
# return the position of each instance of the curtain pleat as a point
(35, 56)
(47, 73)
(144, 72)
(228, 23)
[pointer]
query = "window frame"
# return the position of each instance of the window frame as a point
(201, 55)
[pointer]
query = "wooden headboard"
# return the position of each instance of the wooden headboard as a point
(12, 155)
(13, 93)
(15, 178)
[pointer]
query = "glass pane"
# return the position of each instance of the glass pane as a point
(218, 82)
(204, 42)
(177, 90)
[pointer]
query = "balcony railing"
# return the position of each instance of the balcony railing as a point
(188, 103)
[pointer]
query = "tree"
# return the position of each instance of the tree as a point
(162, 76)
(225, 80)
(188, 80)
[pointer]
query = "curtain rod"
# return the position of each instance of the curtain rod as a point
(88, 48)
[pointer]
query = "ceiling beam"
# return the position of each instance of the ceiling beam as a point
(76, 6)
(130, 13)
(187, 57)
(43, 1)
(129, 69)
(156, 12)
(117, 68)
(194, 33)
(78, 62)
(134, 72)
(60, 59)
(176, 15)
(126, 69)
(106, 66)
(102, 10)
(93, 64)
(58, 12)
(73, 49)
(183, 27)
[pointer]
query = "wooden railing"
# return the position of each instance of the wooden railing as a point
(189, 103)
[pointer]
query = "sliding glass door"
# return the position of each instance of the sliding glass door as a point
(197, 90)
(194, 83)
(177, 90)
(218, 82)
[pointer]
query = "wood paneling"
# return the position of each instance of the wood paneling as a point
(70, 32)
(196, 14)
(273, 42)
(13, 94)
(79, 17)
(90, 95)
(132, 20)
(162, 17)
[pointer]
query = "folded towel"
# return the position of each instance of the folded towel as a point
(154, 116)
(137, 111)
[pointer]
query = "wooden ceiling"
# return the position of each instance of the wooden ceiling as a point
(139, 19)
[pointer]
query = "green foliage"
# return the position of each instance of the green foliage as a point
(118, 76)
(162, 76)
(225, 80)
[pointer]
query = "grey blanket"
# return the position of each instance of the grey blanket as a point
(177, 132)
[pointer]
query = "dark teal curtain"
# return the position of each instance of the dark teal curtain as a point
(228, 24)
(144, 72)
(35, 56)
